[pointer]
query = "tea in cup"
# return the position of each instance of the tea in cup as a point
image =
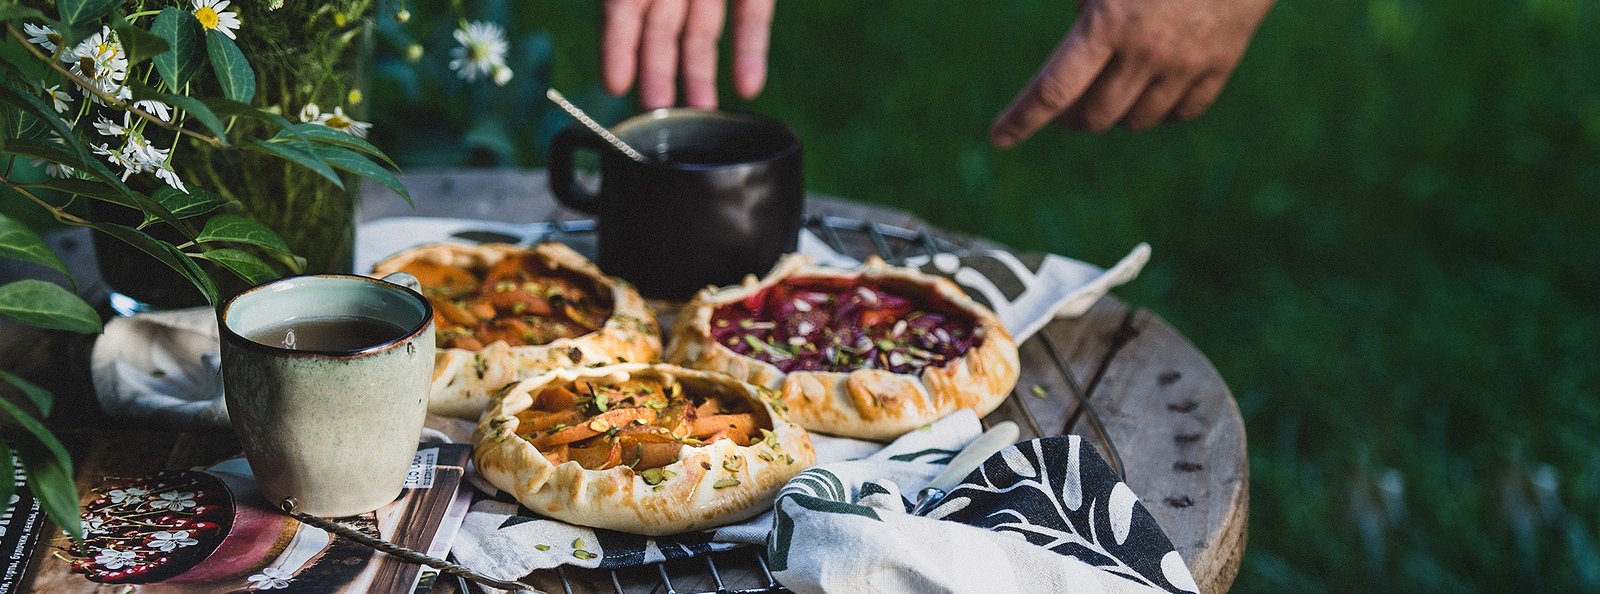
(326, 379)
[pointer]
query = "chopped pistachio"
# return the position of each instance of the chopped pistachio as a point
(577, 544)
(1038, 391)
(601, 402)
(654, 476)
(770, 438)
(542, 547)
(725, 483)
(584, 555)
(765, 455)
(787, 459)
(599, 425)
(733, 464)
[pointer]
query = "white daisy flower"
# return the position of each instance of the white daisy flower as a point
(165, 173)
(43, 36)
(113, 559)
(149, 158)
(100, 59)
(155, 108)
(129, 167)
(109, 128)
(343, 123)
(483, 51)
(271, 578)
(310, 113)
(130, 493)
(168, 541)
(337, 120)
(212, 15)
(52, 168)
(60, 99)
(58, 170)
(174, 500)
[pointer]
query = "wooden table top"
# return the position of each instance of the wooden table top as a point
(1158, 399)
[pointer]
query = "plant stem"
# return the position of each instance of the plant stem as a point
(110, 99)
(59, 213)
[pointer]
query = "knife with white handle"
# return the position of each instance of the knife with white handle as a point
(1001, 436)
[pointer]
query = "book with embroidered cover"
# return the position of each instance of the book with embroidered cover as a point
(210, 531)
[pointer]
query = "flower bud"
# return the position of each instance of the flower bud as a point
(414, 52)
(403, 16)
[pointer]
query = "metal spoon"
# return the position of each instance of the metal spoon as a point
(594, 126)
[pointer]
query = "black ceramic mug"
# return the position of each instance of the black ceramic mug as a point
(720, 196)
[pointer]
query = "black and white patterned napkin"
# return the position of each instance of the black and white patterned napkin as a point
(1037, 516)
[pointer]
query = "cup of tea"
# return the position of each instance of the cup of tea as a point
(719, 195)
(326, 379)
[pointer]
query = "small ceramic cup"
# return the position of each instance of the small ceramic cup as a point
(335, 430)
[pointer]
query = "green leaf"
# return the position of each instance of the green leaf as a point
(46, 305)
(199, 112)
(295, 153)
(16, 12)
(165, 253)
(8, 485)
(123, 195)
(49, 469)
(237, 229)
(183, 34)
(231, 108)
(238, 81)
(86, 187)
(319, 133)
(34, 106)
(242, 264)
(18, 242)
(196, 202)
(348, 160)
(40, 397)
(139, 44)
(78, 12)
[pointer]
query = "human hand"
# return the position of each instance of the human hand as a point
(647, 38)
(1134, 62)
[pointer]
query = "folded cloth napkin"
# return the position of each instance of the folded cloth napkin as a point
(163, 367)
(1045, 515)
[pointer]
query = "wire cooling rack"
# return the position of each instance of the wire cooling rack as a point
(744, 570)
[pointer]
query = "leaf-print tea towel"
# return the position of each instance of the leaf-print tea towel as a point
(1043, 516)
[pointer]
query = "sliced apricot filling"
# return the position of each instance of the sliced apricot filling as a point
(520, 300)
(638, 423)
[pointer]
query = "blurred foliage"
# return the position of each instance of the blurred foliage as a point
(1383, 235)
(430, 117)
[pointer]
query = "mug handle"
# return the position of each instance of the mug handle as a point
(404, 279)
(562, 182)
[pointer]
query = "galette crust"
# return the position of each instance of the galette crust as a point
(618, 498)
(871, 404)
(463, 380)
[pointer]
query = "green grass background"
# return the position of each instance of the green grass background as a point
(1383, 235)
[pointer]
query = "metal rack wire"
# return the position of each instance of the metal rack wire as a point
(745, 571)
